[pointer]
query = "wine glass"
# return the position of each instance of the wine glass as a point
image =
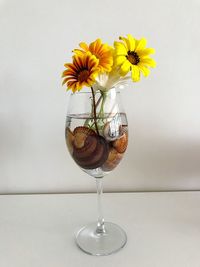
(96, 135)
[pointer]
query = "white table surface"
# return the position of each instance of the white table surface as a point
(38, 230)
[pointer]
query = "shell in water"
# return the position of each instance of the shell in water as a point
(90, 150)
(113, 160)
(121, 143)
(69, 139)
(111, 131)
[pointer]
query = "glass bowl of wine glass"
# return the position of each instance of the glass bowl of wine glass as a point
(96, 134)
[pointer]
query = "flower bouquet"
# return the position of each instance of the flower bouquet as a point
(96, 129)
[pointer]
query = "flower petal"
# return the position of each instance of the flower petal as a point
(84, 46)
(135, 75)
(70, 66)
(64, 81)
(131, 42)
(68, 72)
(77, 62)
(119, 60)
(141, 44)
(146, 52)
(126, 42)
(145, 71)
(97, 44)
(120, 48)
(125, 68)
(148, 62)
(78, 52)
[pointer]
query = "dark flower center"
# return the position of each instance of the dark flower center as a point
(133, 57)
(83, 75)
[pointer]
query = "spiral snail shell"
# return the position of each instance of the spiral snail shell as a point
(90, 150)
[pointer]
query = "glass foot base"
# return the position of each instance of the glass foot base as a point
(101, 244)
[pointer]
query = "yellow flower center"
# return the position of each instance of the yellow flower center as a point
(133, 57)
(83, 75)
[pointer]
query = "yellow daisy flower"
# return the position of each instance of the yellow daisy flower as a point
(82, 72)
(103, 52)
(132, 55)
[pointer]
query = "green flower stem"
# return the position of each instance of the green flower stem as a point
(101, 113)
(89, 120)
(94, 111)
(97, 122)
(99, 100)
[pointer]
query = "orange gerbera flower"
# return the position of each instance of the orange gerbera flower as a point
(103, 52)
(82, 72)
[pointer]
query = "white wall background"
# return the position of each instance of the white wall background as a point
(36, 38)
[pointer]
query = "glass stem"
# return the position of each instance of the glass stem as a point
(100, 223)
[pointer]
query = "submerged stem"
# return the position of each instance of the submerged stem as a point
(94, 111)
(102, 105)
